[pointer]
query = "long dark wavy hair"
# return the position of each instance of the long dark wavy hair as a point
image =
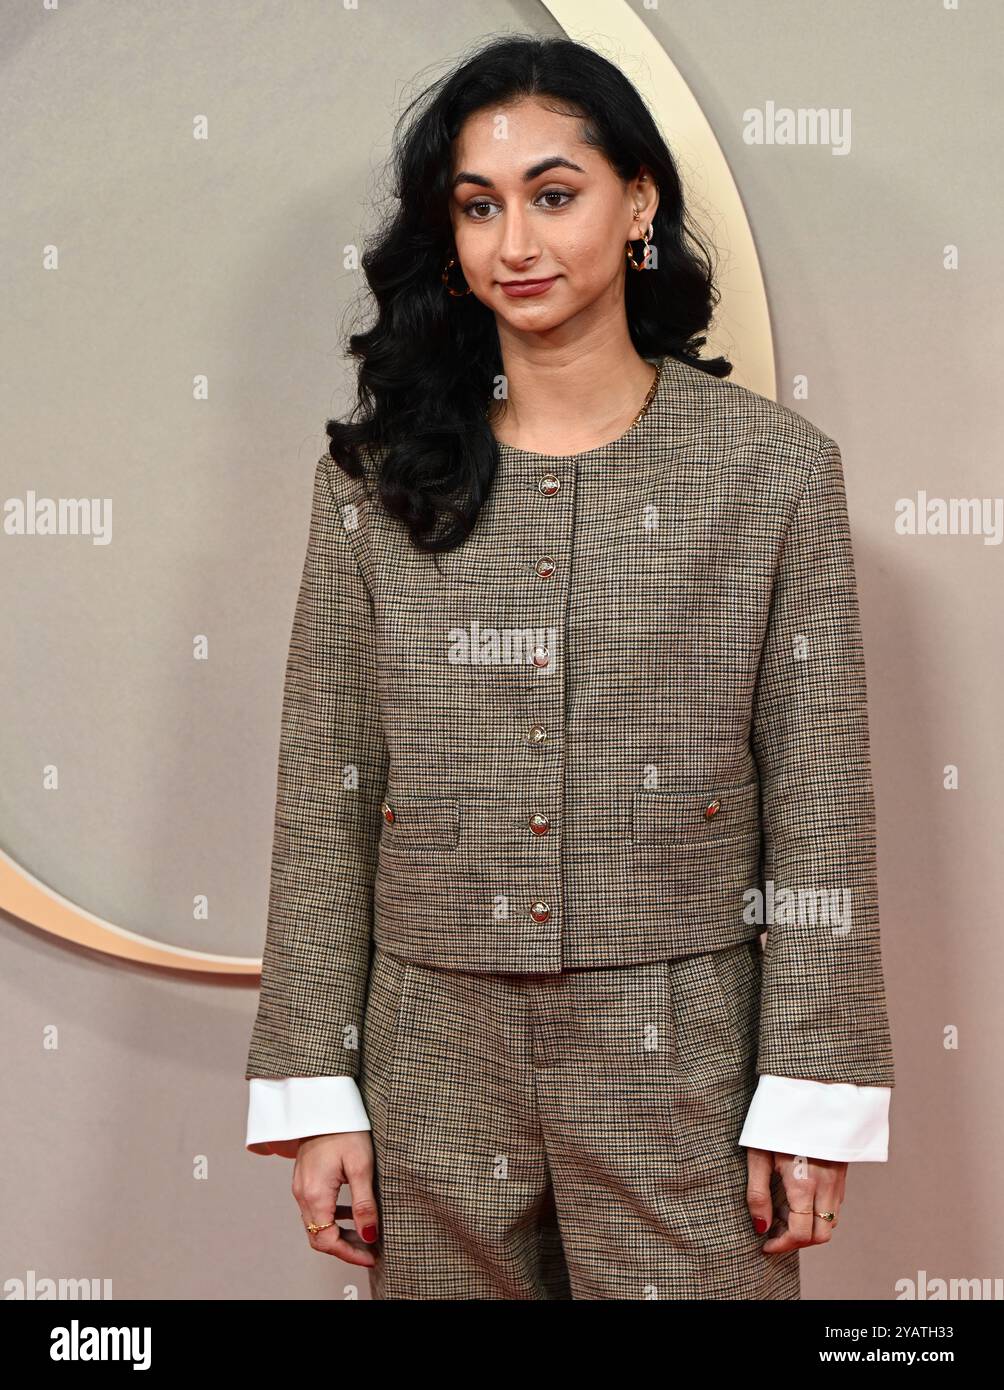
(428, 365)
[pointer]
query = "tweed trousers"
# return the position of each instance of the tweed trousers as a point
(569, 1136)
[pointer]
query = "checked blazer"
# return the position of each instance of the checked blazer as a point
(625, 721)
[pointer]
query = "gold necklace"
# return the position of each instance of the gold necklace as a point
(651, 394)
(648, 399)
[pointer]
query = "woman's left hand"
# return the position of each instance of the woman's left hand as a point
(811, 1185)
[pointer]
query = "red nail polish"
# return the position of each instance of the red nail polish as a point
(759, 1224)
(369, 1234)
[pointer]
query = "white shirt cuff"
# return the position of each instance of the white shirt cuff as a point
(282, 1112)
(819, 1119)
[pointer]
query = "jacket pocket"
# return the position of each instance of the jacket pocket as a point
(719, 815)
(420, 823)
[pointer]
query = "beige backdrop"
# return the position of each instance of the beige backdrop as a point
(123, 1088)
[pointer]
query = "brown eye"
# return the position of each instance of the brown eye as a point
(557, 193)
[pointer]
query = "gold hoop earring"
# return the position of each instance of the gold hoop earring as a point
(457, 294)
(646, 253)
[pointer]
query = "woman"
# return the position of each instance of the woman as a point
(575, 709)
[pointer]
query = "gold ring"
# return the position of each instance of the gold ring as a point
(313, 1228)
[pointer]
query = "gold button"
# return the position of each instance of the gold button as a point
(540, 825)
(538, 734)
(387, 812)
(711, 808)
(540, 912)
(549, 484)
(541, 656)
(545, 567)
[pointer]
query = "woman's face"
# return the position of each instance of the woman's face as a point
(565, 223)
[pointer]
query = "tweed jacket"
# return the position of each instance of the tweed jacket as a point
(625, 720)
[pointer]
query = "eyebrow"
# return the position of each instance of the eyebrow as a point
(554, 161)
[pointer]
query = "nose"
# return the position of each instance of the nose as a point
(519, 247)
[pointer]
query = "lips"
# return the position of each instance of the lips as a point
(520, 289)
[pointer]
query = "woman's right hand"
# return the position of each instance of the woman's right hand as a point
(323, 1163)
